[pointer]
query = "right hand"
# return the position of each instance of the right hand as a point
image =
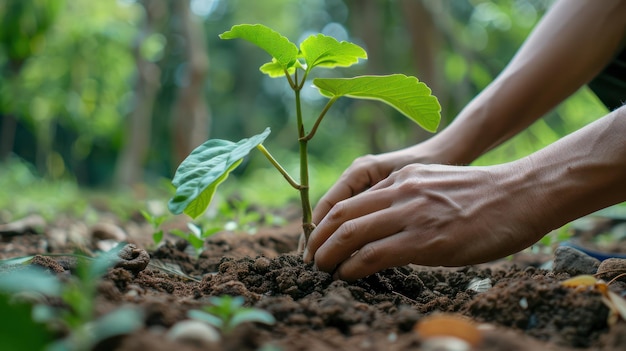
(432, 215)
(364, 172)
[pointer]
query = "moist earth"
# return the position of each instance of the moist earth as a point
(517, 303)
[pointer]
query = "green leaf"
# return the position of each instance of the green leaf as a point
(406, 94)
(121, 321)
(196, 242)
(30, 278)
(252, 315)
(18, 329)
(200, 203)
(90, 271)
(322, 50)
(280, 48)
(157, 237)
(179, 233)
(206, 317)
(199, 175)
(274, 69)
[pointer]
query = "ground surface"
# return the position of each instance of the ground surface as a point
(519, 306)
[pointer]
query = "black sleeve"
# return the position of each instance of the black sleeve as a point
(610, 84)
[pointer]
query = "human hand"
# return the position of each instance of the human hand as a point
(426, 214)
(365, 172)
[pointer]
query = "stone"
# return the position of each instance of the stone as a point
(574, 262)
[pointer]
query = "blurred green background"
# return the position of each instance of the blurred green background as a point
(113, 94)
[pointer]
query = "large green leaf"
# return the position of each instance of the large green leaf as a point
(18, 329)
(280, 48)
(406, 94)
(29, 278)
(322, 50)
(207, 166)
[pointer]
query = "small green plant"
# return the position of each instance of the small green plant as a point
(195, 236)
(240, 215)
(199, 175)
(155, 221)
(226, 312)
(75, 318)
(19, 327)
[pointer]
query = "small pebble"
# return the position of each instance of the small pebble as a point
(133, 258)
(262, 264)
(194, 332)
(574, 262)
(611, 268)
(108, 231)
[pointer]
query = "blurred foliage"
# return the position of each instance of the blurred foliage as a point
(68, 72)
(25, 191)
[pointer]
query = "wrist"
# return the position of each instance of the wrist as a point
(581, 173)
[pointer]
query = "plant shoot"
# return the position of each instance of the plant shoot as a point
(199, 175)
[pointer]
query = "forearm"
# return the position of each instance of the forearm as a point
(581, 173)
(570, 46)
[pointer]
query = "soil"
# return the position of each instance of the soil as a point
(521, 305)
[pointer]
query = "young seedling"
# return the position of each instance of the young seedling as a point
(199, 175)
(155, 221)
(196, 236)
(227, 312)
(77, 317)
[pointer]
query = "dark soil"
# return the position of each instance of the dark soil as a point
(525, 309)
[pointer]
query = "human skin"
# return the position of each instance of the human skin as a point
(417, 205)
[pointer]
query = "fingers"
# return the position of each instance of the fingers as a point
(344, 211)
(340, 191)
(353, 235)
(391, 251)
(362, 174)
(349, 224)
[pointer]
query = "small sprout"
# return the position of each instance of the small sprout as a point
(78, 293)
(157, 237)
(243, 217)
(196, 236)
(227, 312)
(155, 221)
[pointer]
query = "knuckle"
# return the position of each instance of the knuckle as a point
(346, 232)
(364, 160)
(321, 209)
(413, 170)
(370, 255)
(412, 186)
(337, 212)
(359, 167)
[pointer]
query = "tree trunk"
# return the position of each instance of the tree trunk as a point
(367, 23)
(190, 113)
(129, 168)
(425, 44)
(7, 138)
